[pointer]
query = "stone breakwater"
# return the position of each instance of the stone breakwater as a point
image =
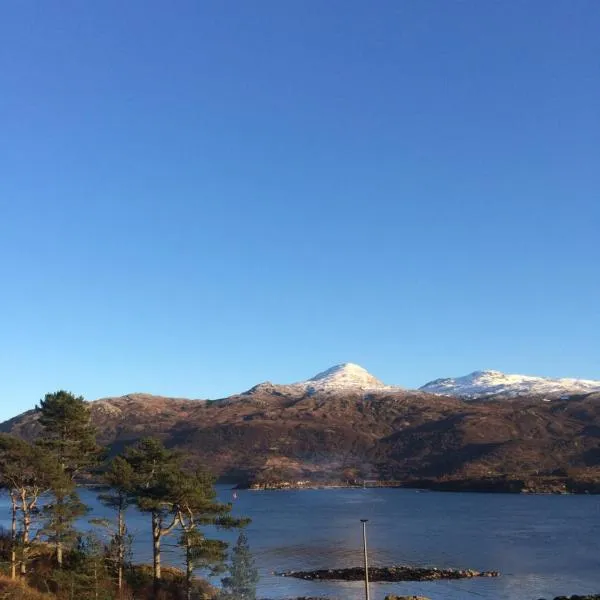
(390, 574)
(589, 597)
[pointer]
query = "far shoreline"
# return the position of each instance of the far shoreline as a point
(556, 487)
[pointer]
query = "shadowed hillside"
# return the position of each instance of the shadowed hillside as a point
(273, 433)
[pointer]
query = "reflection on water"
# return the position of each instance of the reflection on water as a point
(544, 546)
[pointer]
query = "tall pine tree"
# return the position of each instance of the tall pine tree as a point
(155, 468)
(67, 434)
(121, 480)
(243, 574)
(195, 500)
(27, 472)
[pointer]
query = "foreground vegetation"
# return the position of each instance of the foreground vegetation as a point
(44, 554)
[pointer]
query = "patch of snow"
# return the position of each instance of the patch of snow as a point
(343, 377)
(483, 384)
(346, 376)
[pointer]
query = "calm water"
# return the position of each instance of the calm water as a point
(544, 546)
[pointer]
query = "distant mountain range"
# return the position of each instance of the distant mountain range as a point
(475, 386)
(345, 424)
(486, 384)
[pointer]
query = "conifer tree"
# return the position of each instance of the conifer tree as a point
(200, 553)
(68, 435)
(154, 467)
(27, 472)
(67, 432)
(194, 498)
(6, 483)
(120, 478)
(243, 574)
(86, 576)
(60, 515)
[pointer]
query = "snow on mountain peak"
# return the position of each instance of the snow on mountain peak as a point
(341, 377)
(344, 371)
(478, 384)
(482, 384)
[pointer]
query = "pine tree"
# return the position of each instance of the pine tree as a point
(154, 467)
(67, 431)
(243, 574)
(60, 515)
(86, 575)
(27, 472)
(194, 499)
(200, 553)
(120, 478)
(68, 435)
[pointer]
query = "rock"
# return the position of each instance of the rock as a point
(390, 574)
(394, 597)
(589, 597)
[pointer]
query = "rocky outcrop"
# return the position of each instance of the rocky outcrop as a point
(590, 597)
(394, 597)
(388, 574)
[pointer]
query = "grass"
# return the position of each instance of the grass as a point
(19, 590)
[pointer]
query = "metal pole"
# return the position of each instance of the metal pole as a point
(364, 532)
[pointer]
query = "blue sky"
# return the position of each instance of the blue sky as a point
(198, 196)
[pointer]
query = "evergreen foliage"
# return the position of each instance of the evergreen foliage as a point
(194, 498)
(243, 574)
(121, 482)
(27, 472)
(67, 431)
(41, 481)
(155, 467)
(69, 437)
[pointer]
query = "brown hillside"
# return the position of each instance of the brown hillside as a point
(274, 432)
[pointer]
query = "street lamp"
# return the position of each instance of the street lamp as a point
(364, 533)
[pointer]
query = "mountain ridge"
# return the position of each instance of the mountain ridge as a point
(275, 434)
(478, 385)
(491, 383)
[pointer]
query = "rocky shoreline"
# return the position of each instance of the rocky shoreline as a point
(395, 597)
(387, 574)
(502, 485)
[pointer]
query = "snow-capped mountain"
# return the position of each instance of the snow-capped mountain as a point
(343, 377)
(479, 384)
(339, 378)
(484, 384)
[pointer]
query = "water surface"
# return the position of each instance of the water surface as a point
(544, 546)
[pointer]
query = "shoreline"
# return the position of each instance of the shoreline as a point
(481, 486)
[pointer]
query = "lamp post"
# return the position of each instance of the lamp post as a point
(364, 533)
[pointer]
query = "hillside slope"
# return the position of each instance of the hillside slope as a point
(267, 434)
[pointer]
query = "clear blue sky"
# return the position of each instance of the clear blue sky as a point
(197, 196)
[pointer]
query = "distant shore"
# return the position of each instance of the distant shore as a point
(540, 485)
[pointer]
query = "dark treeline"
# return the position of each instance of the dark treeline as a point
(44, 550)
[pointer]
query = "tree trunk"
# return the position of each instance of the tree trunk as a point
(95, 581)
(120, 551)
(13, 538)
(59, 533)
(59, 554)
(189, 569)
(26, 529)
(156, 535)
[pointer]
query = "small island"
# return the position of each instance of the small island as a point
(388, 574)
